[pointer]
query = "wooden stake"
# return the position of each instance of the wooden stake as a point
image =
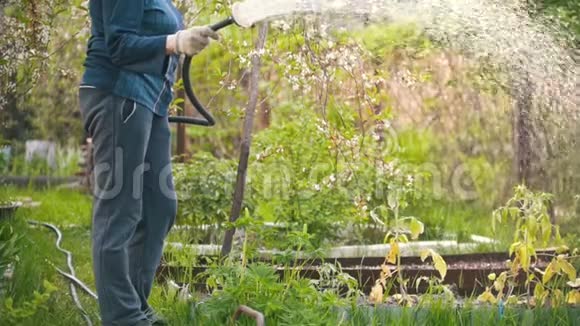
(246, 138)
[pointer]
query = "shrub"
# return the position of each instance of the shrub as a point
(204, 187)
(303, 171)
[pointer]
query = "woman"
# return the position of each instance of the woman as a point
(126, 89)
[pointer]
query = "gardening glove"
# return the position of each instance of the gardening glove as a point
(191, 41)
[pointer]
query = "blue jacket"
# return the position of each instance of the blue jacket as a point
(126, 50)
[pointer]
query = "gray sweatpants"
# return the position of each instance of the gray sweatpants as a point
(134, 201)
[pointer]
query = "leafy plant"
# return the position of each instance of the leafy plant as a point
(285, 298)
(297, 180)
(305, 171)
(205, 188)
(399, 231)
(529, 212)
(533, 230)
(28, 308)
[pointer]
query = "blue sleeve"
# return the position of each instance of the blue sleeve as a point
(129, 50)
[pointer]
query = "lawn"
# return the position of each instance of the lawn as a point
(38, 258)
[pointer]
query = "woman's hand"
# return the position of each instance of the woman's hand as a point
(191, 41)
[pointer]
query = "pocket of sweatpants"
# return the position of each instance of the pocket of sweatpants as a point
(128, 110)
(92, 102)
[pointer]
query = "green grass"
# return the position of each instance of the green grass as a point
(71, 212)
(445, 315)
(38, 256)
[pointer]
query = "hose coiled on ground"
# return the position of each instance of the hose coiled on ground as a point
(71, 276)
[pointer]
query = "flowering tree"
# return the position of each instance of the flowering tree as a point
(26, 27)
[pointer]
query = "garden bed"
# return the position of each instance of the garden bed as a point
(343, 234)
(467, 272)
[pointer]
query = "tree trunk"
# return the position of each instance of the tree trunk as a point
(246, 139)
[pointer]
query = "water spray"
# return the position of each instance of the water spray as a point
(522, 48)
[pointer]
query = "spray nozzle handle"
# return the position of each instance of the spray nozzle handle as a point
(224, 23)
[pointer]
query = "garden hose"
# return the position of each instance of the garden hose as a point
(78, 282)
(70, 276)
(208, 120)
(254, 314)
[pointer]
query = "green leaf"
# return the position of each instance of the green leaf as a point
(49, 287)
(513, 247)
(550, 271)
(524, 255)
(532, 226)
(567, 268)
(573, 297)
(438, 261)
(440, 264)
(416, 227)
(487, 296)
(540, 293)
(393, 253)
(178, 101)
(514, 212)
(9, 304)
(499, 283)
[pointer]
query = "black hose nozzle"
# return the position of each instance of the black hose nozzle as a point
(224, 23)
